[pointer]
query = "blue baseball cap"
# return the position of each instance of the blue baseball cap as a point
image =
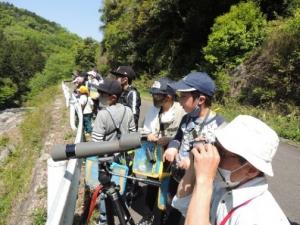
(196, 81)
(161, 87)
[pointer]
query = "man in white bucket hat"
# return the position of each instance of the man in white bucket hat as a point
(230, 183)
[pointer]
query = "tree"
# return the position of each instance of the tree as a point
(85, 57)
(233, 35)
(158, 36)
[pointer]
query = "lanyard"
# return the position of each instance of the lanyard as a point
(227, 217)
(194, 133)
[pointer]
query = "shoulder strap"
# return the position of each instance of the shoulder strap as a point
(161, 125)
(194, 132)
(117, 128)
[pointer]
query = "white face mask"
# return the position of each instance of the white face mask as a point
(223, 178)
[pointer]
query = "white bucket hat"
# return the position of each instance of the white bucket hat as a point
(252, 139)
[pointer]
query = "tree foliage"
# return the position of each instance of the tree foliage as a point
(158, 36)
(234, 34)
(34, 53)
(85, 56)
(274, 70)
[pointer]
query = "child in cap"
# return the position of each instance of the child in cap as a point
(130, 96)
(87, 109)
(196, 91)
(112, 120)
(161, 123)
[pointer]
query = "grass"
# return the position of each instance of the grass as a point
(4, 140)
(16, 171)
(39, 216)
(286, 126)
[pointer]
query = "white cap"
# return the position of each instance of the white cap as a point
(252, 139)
(92, 73)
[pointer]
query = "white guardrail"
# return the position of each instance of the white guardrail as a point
(63, 177)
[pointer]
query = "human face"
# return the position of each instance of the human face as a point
(232, 162)
(158, 100)
(122, 80)
(187, 101)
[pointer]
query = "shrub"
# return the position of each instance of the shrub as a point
(233, 35)
(274, 70)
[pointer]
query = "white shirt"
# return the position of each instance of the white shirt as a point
(87, 103)
(261, 210)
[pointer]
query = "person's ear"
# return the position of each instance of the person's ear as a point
(202, 99)
(252, 172)
(114, 98)
(168, 98)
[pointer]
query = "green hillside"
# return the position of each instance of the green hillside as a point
(34, 53)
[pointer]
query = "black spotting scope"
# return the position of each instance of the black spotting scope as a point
(87, 149)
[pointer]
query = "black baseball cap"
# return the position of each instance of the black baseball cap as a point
(109, 86)
(161, 87)
(125, 71)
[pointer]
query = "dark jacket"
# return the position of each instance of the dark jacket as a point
(131, 98)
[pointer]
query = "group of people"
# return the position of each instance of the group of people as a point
(218, 169)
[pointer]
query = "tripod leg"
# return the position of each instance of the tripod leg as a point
(126, 211)
(109, 211)
(120, 208)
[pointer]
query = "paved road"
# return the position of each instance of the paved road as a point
(285, 185)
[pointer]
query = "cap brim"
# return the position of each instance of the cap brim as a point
(157, 91)
(100, 87)
(181, 87)
(116, 73)
(236, 146)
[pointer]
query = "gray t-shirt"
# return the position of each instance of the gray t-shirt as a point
(111, 118)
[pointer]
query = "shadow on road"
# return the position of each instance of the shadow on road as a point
(293, 223)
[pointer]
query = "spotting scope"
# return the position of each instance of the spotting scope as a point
(86, 149)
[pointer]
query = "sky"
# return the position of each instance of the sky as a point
(78, 16)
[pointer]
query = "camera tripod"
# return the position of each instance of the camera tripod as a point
(114, 202)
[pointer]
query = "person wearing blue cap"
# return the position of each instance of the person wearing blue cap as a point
(195, 95)
(196, 91)
(161, 123)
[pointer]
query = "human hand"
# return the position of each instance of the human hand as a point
(163, 141)
(200, 139)
(206, 161)
(170, 154)
(152, 137)
(184, 163)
